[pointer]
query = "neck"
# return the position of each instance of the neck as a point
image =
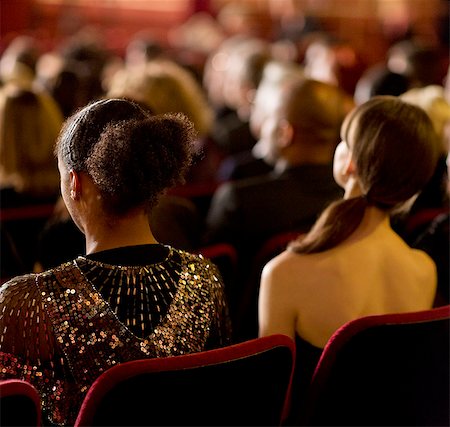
(373, 218)
(130, 230)
(297, 155)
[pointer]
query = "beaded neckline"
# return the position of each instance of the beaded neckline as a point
(156, 275)
(123, 267)
(110, 310)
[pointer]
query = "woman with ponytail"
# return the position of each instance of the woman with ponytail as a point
(129, 297)
(352, 264)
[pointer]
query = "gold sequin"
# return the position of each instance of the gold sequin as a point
(77, 333)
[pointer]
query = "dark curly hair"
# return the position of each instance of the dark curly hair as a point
(131, 156)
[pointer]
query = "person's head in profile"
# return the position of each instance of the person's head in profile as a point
(301, 122)
(352, 263)
(388, 152)
(115, 159)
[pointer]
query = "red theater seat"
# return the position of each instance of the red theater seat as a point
(19, 404)
(384, 370)
(242, 384)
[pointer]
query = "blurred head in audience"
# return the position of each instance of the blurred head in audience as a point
(216, 67)
(63, 80)
(243, 17)
(379, 80)
(87, 53)
(422, 64)
(165, 87)
(200, 34)
(18, 62)
(432, 100)
(29, 125)
(245, 65)
(304, 124)
(141, 49)
(273, 76)
(333, 61)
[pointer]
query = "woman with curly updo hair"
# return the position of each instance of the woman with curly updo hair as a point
(129, 297)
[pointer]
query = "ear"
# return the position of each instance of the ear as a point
(75, 184)
(350, 167)
(286, 133)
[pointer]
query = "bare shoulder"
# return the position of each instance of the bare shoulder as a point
(423, 262)
(285, 267)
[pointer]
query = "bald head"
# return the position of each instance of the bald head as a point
(303, 126)
(315, 110)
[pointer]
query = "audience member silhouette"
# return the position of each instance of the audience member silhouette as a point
(435, 194)
(298, 138)
(422, 64)
(332, 60)
(18, 61)
(245, 164)
(433, 235)
(29, 125)
(30, 122)
(143, 48)
(379, 80)
(351, 263)
(129, 297)
(245, 61)
(63, 80)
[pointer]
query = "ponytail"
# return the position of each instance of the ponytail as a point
(395, 150)
(337, 222)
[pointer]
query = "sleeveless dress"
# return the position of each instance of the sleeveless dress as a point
(62, 328)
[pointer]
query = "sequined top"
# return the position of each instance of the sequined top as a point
(62, 328)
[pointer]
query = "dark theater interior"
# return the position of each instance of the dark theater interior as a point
(224, 213)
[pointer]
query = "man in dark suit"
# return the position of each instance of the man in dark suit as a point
(298, 138)
(298, 132)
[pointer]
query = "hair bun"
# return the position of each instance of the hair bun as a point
(135, 160)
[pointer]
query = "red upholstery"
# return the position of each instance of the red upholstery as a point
(423, 218)
(274, 246)
(218, 251)
(19, 403)
(224, 256)
(242, 384)
(27, 212)
(384, 370)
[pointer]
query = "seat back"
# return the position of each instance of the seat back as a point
(225, 257)
(419, 221)
(20, 228)
(384, 370)
(242, 384)
(246, 323)
(19, 404)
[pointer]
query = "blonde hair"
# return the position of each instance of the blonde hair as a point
(432, 100)
(29, 125)
(165, 87)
